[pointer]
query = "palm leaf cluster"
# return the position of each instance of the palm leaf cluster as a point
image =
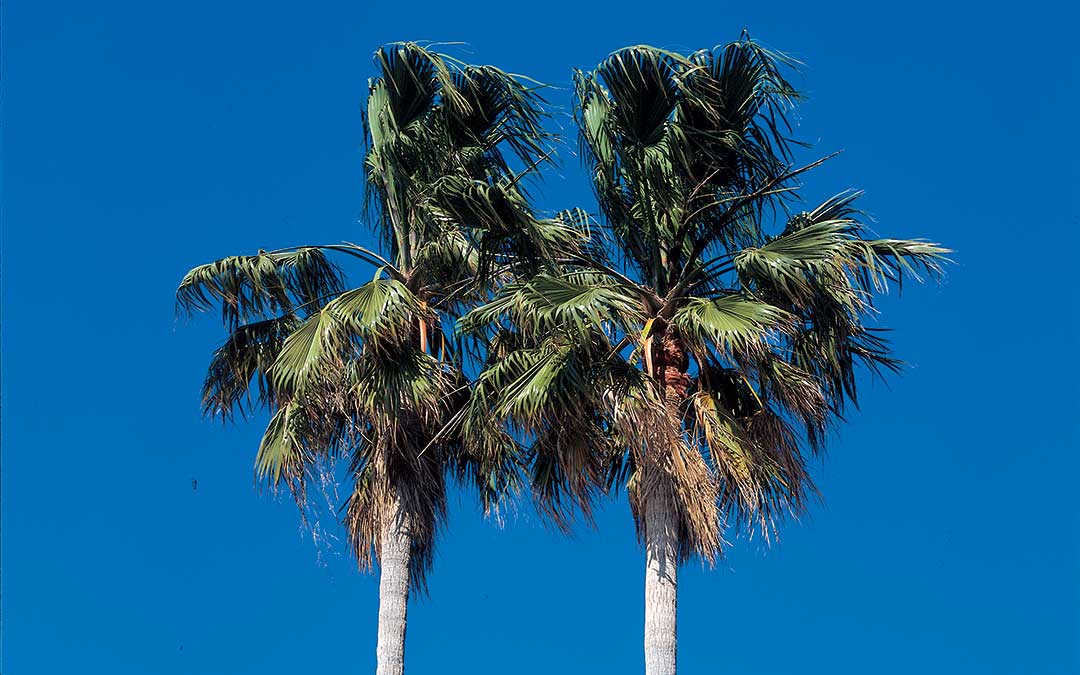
(694, 346)
(705, 361)
(370, 376)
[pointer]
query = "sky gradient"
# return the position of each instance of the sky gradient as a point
(141, 139)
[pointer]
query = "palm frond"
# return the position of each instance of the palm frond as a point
(505, 229)
(762, 474)
(305, 353)
(430, 117)
(379, 315)
(245, 358)
(260, 286)
(283, 456)
(734, 325)
(582, 301)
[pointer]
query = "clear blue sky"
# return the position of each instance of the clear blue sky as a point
(142, 138)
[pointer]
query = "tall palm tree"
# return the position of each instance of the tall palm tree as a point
(368, 375)
(705, 363)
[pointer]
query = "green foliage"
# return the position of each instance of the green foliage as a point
(260, 286)
(431, 119)
(246, 356)
(366, 374)
(720, 358)
(734, 325)
(708, 358)
(580, 301)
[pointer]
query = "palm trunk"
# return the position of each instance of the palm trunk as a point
(668, 365)
(393, 594)
(661, 580)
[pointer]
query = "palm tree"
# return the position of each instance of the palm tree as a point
(704, 364)
(368, 375)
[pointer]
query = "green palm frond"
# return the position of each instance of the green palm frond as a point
(448, 258)
(824, 272)
(429, 117)
(260, 286)
(887, 260)
(796, 391)
(500, 220)
(379, 315)
(554, 393)
(733, 325)
(502, 110)
(244, 358)
(745, 94)
(405, 380)
(550, 377)
(825, 245)
(414, 80)
(833, 354)
(382, 310)
(685, 152)
(488, 457)
(582, 301)
(283, 456)
(306, 352)
(644, 85)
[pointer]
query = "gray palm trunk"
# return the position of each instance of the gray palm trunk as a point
(393, 594)
(661, 582)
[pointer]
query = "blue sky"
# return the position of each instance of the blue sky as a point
(140, 139)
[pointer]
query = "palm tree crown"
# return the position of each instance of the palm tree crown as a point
(367, 374)
(712, 365)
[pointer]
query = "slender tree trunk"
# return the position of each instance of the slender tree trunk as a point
(393, 595)
(661, 580)
(668, 365)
